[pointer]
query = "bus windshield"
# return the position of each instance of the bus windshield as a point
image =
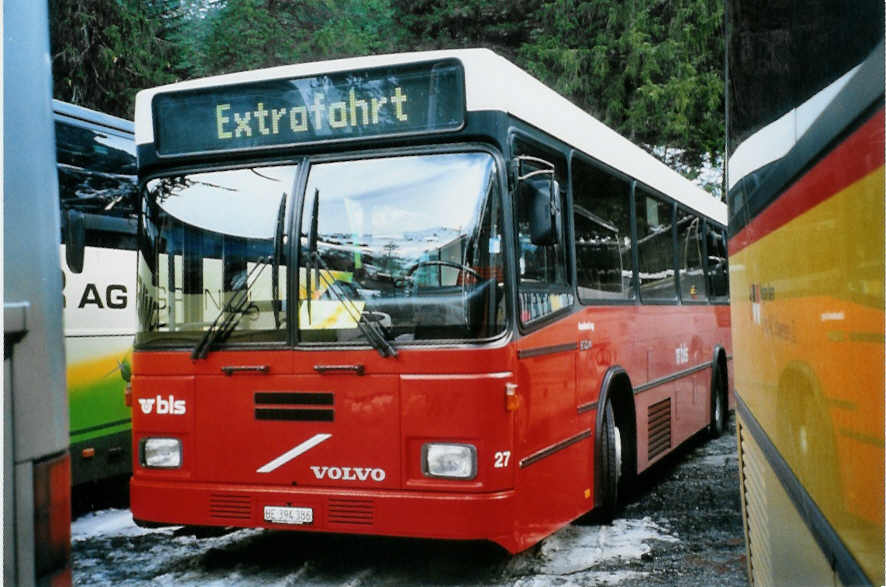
(406, 249)
(213, 246)
(411, 245)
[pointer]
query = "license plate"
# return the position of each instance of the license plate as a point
(288, 515)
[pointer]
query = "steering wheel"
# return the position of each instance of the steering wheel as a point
(464, 285)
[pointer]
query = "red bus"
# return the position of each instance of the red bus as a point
(412, 295)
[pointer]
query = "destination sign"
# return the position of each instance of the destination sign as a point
(403, 99)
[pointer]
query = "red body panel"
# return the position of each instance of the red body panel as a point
(362, 469)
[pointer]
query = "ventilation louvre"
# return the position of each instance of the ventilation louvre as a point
(757, 520)
(230, 507)
(659, 428)
(308, 413)
(346, 511)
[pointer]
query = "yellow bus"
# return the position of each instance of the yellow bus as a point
(806, 218)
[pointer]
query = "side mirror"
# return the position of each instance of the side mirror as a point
(544, 210)
(75, 240)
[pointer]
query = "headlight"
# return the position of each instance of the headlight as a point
(161, 453)
(449, 461)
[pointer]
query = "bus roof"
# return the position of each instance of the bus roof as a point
(491, 83)
(92, 116)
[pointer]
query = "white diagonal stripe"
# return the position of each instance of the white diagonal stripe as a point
(291, 454)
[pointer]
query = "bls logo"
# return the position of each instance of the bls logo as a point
(172, 406)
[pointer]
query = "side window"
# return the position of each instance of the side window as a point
(543, 283)
(603, 247)
(97, 179)
(690, 249)
(717, 263)
(655, 245)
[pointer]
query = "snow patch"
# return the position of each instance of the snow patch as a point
(590, 578)
(708, 176)
(108, 523)
(581, 548)
(717, 461)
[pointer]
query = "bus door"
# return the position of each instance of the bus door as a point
(547, 351)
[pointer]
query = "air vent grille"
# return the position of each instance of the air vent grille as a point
(754, 484)
(282, 400)
(230, 507)
(350, 511)
(659, 428)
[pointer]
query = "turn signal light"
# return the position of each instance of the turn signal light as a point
(512, 400)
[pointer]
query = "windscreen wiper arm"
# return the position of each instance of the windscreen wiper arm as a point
(278, 254)
(371, 331)
(224, 324)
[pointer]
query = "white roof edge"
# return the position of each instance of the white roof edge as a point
(773, 141)
(145, 132)
(491, 83)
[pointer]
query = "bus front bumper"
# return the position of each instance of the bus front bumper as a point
(457, 516)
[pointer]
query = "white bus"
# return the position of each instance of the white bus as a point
(96, 163)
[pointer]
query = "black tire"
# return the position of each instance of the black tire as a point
(719, 405)
(610, 465)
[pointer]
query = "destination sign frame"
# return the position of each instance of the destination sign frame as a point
(390, 101)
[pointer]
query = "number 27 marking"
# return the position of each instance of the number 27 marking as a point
(502, 458)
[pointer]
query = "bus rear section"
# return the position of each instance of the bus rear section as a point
(376, 297)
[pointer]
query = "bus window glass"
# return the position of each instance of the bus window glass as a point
(655, 245)
(718, 265)
(412, 244)
(602, 219)
(214, 250)
(690, 254)
(96, 176)
(543, 284)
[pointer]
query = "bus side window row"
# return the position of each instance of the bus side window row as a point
(604, 250)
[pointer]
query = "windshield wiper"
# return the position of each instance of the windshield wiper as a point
(238, 306)
(371, 330)
(278, 254)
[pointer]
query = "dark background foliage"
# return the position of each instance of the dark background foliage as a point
(651, 69)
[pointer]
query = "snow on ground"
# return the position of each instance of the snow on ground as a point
(570, 556)
(108, 523)
(580, 548)
(110, 550)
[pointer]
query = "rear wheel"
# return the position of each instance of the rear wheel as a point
(719, 408)
(611, 464)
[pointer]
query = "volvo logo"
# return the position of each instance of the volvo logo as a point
(349, 473)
